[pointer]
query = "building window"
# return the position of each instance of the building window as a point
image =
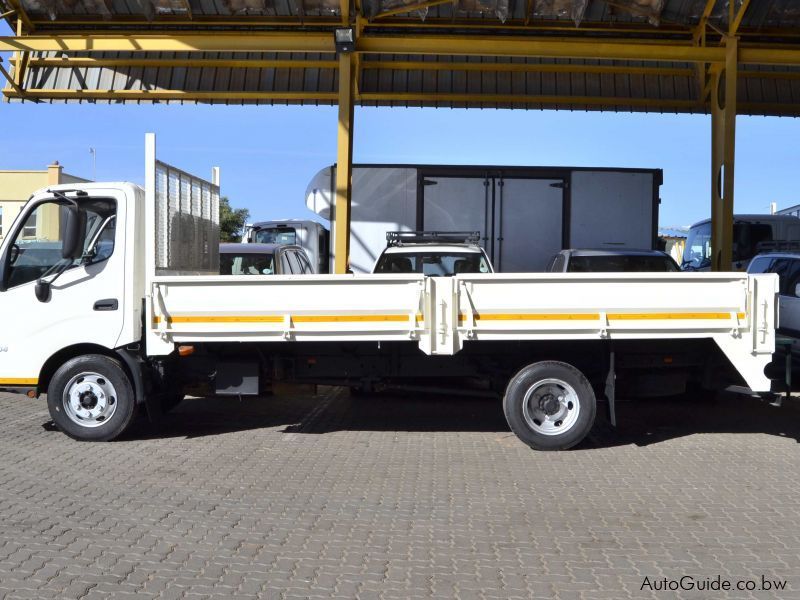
(29, 229)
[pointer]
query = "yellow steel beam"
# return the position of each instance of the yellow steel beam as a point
(463, 45)
(734, 23)
(344, 164)
(69, 62)
(16, 5)
(344, 10)
(10, 79)
(188, 7)
(457, 98)
(446, 45)
(699, 38)
(505, 67)
(786, 109)
(723, 148)
(164, 95)
(178, 42)
(769, 56)
(65, 23)
(700, 29)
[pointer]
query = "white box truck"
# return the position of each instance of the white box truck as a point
(104, 311)
(525, 214)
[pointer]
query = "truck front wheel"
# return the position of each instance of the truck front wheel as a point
(90, 398)
(550, 405)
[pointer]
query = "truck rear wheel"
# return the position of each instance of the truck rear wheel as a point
(550, 405)
(90, 398)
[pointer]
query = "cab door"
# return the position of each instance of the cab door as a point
(86, 302)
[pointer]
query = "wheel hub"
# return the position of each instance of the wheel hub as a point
(549, 404)
(87, 399)
(90, 399)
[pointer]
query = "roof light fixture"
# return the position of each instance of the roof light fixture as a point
(344, 39)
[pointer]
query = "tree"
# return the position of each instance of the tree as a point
(231, 221)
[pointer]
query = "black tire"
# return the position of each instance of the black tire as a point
(111, 373)
(576, 426)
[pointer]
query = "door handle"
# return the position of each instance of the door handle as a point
(107, 304)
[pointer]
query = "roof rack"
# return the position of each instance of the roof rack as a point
(398, 238)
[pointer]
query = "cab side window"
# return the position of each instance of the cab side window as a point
(792, 278)
(36, 248)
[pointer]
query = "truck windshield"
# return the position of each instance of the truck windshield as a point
(697, 253)
(276, 235)
(746, 237)
(433, 264)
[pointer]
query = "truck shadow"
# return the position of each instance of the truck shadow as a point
(644, 422)
(641, 422)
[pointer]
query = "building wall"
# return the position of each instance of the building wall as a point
(17, 186)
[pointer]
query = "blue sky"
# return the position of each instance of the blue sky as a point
(268, 154)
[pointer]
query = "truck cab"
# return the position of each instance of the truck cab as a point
(751, 235)
(71, 275)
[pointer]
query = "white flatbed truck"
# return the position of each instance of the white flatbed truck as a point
(109, 322)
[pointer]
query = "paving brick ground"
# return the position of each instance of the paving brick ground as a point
(316, 497)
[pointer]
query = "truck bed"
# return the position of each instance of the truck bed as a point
(440, 314)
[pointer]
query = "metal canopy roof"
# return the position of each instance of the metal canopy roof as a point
(621, 55)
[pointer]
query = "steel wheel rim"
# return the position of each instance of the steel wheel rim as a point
(551, 407)
(89, 400)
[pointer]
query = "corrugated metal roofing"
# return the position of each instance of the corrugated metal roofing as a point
(783, 14)
(398, 80)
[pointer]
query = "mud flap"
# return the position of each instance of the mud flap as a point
(611, 389)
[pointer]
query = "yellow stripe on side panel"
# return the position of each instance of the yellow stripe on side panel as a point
(351, 318)
(532, 317)
(399, 318)
(703, 316)
(295, 318)
(225, 319)
(19, 381)
(595, 316)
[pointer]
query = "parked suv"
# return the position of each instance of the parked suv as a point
(611, 261)
(263, 259)
(787, 266)
(433, 253)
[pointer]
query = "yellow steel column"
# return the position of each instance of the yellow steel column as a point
(344, 163)
(723, 150)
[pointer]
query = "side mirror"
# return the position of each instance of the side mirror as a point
(797, 290)
(73, 232)
(42, 290)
